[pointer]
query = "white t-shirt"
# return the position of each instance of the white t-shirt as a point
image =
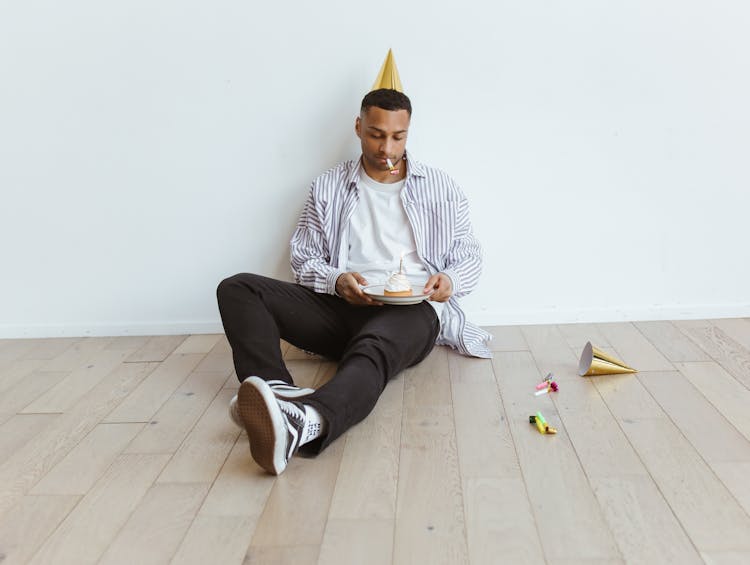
(380, 233)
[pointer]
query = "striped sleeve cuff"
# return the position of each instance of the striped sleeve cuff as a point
(331, 279)
(453, 276)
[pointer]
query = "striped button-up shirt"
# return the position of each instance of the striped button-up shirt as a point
(439, 216)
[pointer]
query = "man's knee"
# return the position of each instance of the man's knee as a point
(231, 285)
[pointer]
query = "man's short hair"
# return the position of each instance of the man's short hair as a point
(387, 99)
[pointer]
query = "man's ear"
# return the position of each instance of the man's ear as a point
(358, 127)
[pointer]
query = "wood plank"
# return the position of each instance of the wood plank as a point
(734, 476)
(78, 355)
(270, 555)
(570, 520)
(737, 329)
(20, 472)
(28, 390)
(500, 522)
(202, 343)
(219, 358)
(241, 488)
(722, 349)
(20, 429)
(24, 529)
(507, 338)
(671, 342)
(692, 323)
(132, 342)
(15, 372)
(723, 391)
(576, 335)
(204, 451)
(76, 384)
(295, 513)
(174, 420)
(157, 348)
(490, 472)
(483, 438)
(708, 512)
(633, 348)
(154, 391)
(710, 433)
(632, 505)
(14, 349)
(726, 557)
(93, 524)
(367, 477)
(87, 462)
(430, 522)
(364, 542)
(215, 539)
(232, 382)
(326, 371)
(305, 372)
(157, 526)
(49, 348)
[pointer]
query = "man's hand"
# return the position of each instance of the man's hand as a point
(347, 287)
(441, 284)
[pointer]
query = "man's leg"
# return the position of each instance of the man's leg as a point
(392, 339)
(258, 311)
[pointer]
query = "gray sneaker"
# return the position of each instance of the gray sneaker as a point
(273, 426)
(281, 389)
(287, 391)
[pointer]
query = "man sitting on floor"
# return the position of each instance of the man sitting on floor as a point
(361, 221)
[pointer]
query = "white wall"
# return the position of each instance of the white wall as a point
(149, 149)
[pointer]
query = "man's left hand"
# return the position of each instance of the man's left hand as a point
(441, 284)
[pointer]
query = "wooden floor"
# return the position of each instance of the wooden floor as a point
(120, 450)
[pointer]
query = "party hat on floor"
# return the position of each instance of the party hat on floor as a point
(594, 361)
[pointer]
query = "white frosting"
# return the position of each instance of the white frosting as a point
(397, 282)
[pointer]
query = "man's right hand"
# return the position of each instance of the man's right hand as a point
(347, 287)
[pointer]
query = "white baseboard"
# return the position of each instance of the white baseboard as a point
(481, 317)
(97, 330)
(603, 315)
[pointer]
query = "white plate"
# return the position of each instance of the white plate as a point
(377, 291)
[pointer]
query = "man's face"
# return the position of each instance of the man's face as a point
(383, 136)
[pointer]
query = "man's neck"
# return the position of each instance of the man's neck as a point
(386, 177)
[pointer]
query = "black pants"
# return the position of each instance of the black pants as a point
(371, 343)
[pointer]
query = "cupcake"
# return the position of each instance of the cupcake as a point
(397, 285)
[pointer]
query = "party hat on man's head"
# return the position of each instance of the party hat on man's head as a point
(388, 75)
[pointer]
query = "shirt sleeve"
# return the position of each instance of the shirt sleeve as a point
(463, 263)
(310, 249)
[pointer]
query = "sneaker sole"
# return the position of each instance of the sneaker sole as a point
(234, 414)
(264, 423)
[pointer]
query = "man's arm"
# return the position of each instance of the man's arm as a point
(463, 262)
(311, 258)
(310, 252)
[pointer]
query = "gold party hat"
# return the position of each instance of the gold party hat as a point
(594, 361)
(388, 75)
